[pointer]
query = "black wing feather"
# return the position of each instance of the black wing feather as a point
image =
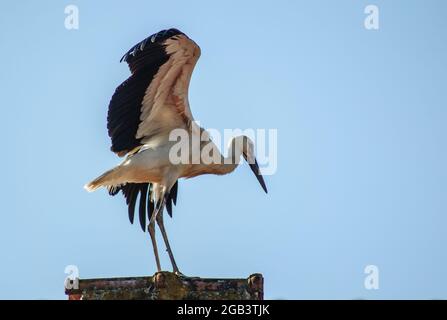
(173, 192)
(143, 197)
(131, 201)
(142, 54)
(123, 117)
(168, 204)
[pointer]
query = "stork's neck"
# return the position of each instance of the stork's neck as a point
(229, 163)
(221, 165)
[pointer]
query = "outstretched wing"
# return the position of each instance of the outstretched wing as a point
(154, 99)
(150, 103)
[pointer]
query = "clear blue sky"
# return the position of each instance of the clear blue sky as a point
(361, 118)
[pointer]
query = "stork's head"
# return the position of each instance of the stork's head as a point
(244, 146)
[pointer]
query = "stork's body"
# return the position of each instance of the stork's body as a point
(143, 112)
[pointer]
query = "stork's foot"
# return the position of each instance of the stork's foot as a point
(179, 274)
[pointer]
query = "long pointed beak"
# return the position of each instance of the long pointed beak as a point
(255, 168)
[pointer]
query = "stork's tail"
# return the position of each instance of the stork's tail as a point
(106, 179)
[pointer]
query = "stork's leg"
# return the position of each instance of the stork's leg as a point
(151, 228)
(159, 205)
(165, 238)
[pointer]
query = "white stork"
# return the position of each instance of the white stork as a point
(143, 111)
